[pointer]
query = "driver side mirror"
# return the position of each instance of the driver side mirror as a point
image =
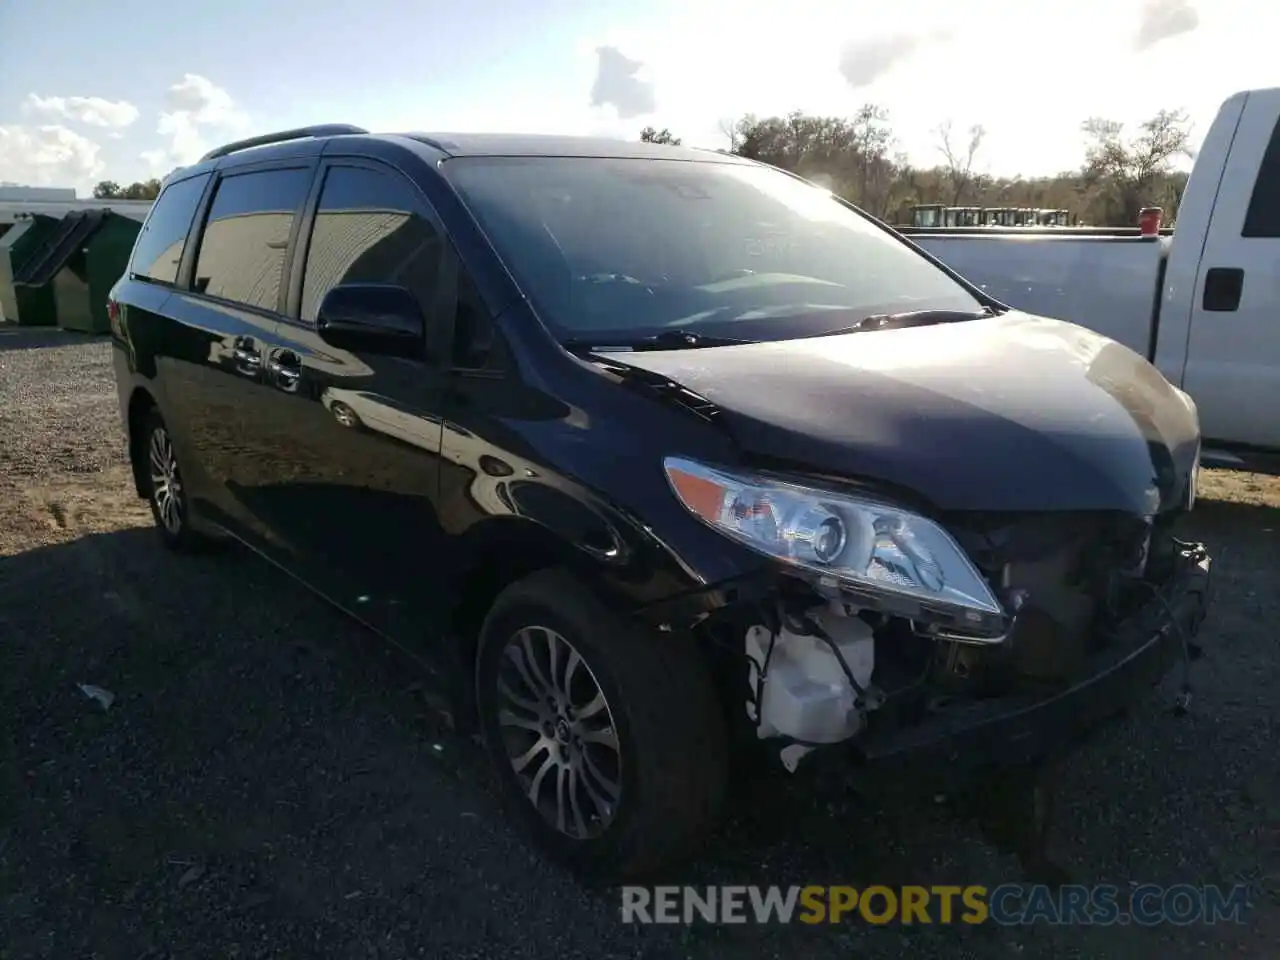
(380, 318)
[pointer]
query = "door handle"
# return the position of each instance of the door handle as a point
(1222, 289)
(285, 367)
(247, 358)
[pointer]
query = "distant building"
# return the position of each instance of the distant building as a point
(13, 209)
(15, 193)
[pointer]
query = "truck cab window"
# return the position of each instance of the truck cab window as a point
(1263, 216)
(369, 228)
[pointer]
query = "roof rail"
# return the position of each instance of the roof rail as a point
(298, 133)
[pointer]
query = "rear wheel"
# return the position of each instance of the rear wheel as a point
(164, 487)
(607, 739)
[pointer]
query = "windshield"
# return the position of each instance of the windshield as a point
(616, 250)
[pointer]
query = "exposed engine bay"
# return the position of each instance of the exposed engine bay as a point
(823, 669)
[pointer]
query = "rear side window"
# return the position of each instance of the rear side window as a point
(158, 251)
(246, 238)
(368, 229)
(1263, 218)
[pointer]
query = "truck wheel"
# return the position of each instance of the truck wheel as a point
(166, 493)
(607, 739)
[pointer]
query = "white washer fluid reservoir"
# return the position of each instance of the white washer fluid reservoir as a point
(806, 694)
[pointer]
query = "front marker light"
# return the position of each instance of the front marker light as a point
(874, 547)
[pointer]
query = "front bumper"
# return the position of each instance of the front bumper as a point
(971, 737)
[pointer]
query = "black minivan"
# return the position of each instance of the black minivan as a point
(651, 455)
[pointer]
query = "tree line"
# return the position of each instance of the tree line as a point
(859, 158)
(142, 190)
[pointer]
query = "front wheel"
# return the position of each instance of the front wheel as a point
(608, 740)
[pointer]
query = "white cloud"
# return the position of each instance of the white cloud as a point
(49, 156)
(158, 161)
(204, 102)
(196, 107)
(617, 84)
(1164, 20)
(862, 62)
(94, 111)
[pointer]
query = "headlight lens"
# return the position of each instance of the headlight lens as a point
(873, 546)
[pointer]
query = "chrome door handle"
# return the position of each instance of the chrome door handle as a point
(248, 360)
(286, 372)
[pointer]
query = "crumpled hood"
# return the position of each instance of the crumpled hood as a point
(1013, 412)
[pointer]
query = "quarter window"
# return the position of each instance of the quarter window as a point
(158, 251)
(242, 255)
(476, 343)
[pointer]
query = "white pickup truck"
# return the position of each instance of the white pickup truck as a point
(1202, 305)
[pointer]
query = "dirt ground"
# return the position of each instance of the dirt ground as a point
(267, 783)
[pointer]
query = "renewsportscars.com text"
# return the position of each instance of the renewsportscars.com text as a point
(1007, 904)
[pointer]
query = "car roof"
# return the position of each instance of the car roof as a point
(555, 145)
(311, 141)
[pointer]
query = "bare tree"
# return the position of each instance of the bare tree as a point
(1131, 173)
(871, 137)
(959, 159)
(731, 130)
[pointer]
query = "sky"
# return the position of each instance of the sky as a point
(129, 89)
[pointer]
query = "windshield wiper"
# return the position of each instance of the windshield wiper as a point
(909, 318)
(666, 340)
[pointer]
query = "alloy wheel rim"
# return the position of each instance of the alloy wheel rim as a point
(559, 733)
(166, 482)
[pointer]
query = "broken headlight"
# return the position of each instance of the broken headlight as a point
(874, 547)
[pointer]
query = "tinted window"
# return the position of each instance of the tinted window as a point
(622, 248)
(368, 229)
(246, 237)
(159, 248)
(1263, 218)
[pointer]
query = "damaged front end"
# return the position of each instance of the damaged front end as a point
(992, 642)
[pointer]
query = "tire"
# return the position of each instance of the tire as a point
(346, 416)
(670, 761)
(165, 490)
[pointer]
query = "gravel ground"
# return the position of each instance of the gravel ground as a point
(268, 783)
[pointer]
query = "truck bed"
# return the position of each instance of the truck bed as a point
(1101, 281)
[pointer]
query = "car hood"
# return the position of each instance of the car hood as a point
(1003, 413)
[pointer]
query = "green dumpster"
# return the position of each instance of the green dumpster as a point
(100, 256)
(19, 303)
(78, 263)
(105, 263)
(71, 303)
